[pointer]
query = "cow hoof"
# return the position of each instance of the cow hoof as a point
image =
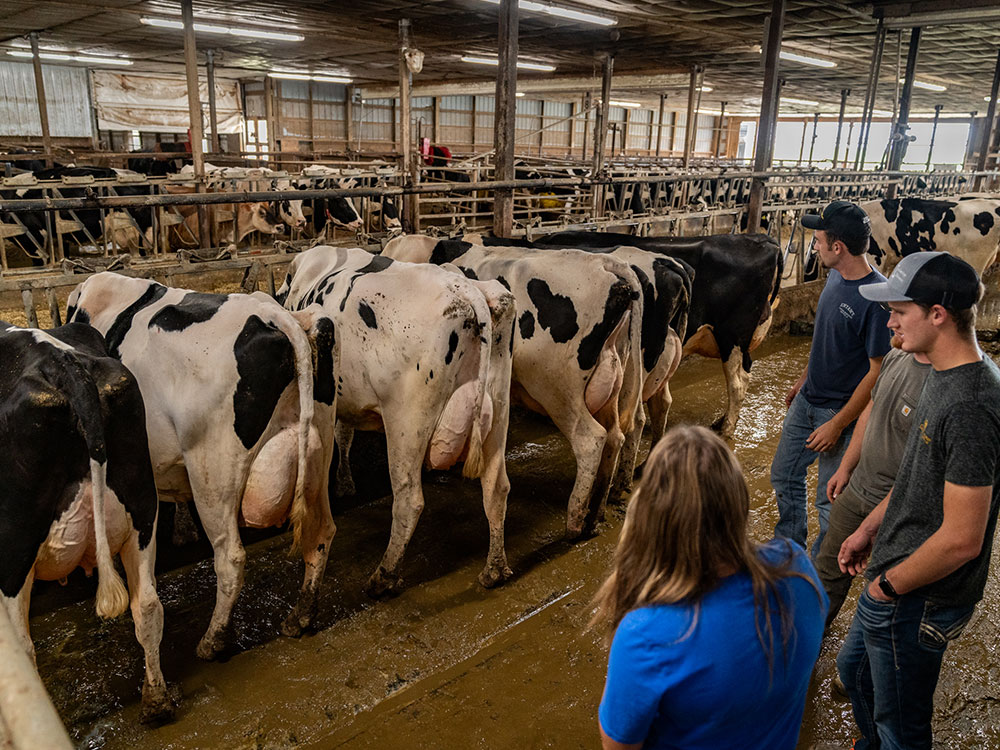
(298, 621)
(156, 709)
(211, 646)
(719, 426)
(494, 576)
(346, 488)
(383, 584)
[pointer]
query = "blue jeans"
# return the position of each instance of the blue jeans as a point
(889, 665)
(791, 462)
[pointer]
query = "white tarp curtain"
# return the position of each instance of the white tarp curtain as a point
(65, 92)
(159, 104)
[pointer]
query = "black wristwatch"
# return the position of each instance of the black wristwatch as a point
(887, 589)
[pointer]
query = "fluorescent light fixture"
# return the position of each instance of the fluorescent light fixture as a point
(926, 85)
(91, 59)
(804, 102)
(212, 28)
(626, 105)
(704, 89)
(806, 60)
(292, 75)
(101, 60)
(25, 44)
(986, 98)
(519, 94)
(569, 13)
(882, 113)
(494, 61)
(43, 55)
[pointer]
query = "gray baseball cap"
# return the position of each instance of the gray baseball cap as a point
(932, 278)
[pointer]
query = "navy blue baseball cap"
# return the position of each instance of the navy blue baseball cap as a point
(932, 278)
(843, 219)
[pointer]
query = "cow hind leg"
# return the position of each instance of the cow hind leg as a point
(147, 615)
(622, 484)
(737, 371)
(587, 439)
(316, 534)
(610, 460)
(219, 520)
(496, 487)
(17, 611)
(345, 480)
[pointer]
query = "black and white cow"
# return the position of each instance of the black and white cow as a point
(228, 387)
(77, 484)
(339, 212)
(967, 226)
(735, 288)
(426, 358)
(576, 355)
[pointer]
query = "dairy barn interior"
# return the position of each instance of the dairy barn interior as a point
(207, 145)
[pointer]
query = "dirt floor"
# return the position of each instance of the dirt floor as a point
(446, 663)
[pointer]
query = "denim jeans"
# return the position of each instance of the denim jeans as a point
(791, 462)
(890, 663)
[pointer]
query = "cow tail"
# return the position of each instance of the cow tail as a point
(71, 377)
(475, 461)
(779, 272)
(289, 326)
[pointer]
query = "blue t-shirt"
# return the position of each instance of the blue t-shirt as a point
(707, 685)
(849, 330)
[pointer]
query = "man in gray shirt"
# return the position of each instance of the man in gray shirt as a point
(931, 555)
(868, 468)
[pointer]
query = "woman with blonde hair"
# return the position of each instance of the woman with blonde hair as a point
(715, 636)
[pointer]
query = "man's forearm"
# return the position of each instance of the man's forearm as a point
(860, 398)
(853, 453)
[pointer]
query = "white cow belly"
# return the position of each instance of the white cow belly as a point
(448, 443)
(71, 542)
(271, 483)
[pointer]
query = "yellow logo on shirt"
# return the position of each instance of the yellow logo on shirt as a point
(906, 410)
(923, 433)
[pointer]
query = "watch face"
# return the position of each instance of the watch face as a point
(887, 589)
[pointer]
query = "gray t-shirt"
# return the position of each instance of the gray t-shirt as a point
(894, 402)
(955, 438)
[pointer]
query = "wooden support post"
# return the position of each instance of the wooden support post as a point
(541, 130)
(436, 103)
(844, 93)
(673, 131)
(768, 114)
(690, 125)
(349, 117)
(312, 117)
(588, 102)
(718, 132)
(213, 116)
(194, 115)
(504, 116)
(572, 128)
(901, 138)
(28, 300)
(50, 295)
(405, 140)
(269, 117)
(472, 129)
(991, 111)
(43, 107)
(659, 124)
(601, 126)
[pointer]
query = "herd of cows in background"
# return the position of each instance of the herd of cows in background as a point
(235, 402)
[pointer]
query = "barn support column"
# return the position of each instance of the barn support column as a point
(844, 93)
(930, 150)
(659, 124)
(504, 117)
(349, 117)
(213, 117)
(588, 103)
(572, 128)
(870, 92)
(812, 143)
(991, 110)
(718, 133)
(269, 118)
(802, 145)
(436, 105)
(43, 107)
(768, 114)
(601, 126)
(900, 138)
(472, 126)
(405, 140)
(689, 124)
(194, 114)
(312, 119)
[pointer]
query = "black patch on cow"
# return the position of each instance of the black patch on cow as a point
(983, 221)
(452, 346)
(469, 273)
(503, 282)
(918, 221)
(527, 324)
(378, 263)
(123, 323)
(446, 251)
(324, 338)
(287, 286)
(556, 313)
(619, 298)
(956, 230)
(510, 344)
(74, 313)
(893, 245)
(431, 375)
(367, 314)
(265, 362)
(193, 308)
(890, 209)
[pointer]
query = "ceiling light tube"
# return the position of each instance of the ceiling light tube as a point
(43, 55)
(926, 85)
(520, 63)
(519, 94)
(101, 60)
(626, 105)
(806, 60)
(212, 28)
(568, 13)
(292, 75)
(804, 102)
(704, 89)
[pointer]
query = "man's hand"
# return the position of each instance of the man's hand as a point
(836, 484)
(875, 592)
(792, 393)
(853, 555)
(824, 437)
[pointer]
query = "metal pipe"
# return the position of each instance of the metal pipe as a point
(213, 115)
(587, 106)
(802, 145)
(991, 110)
(693, 132)
(659, 124)
(895, 99)
(405, 141)
(194, 113)
(844, 93)
(930, 151)
(601, 126)
(722, 124)
(901, 139)
(692, 90)
(768, 114)
(505, 116)
(870, 90)
(43, 107)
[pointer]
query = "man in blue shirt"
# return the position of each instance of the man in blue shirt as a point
(849, 340)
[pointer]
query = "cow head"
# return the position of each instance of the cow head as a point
(262, 217)
(342, 211)
(290, 211)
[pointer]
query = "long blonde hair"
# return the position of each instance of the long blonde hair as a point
(686, 528)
